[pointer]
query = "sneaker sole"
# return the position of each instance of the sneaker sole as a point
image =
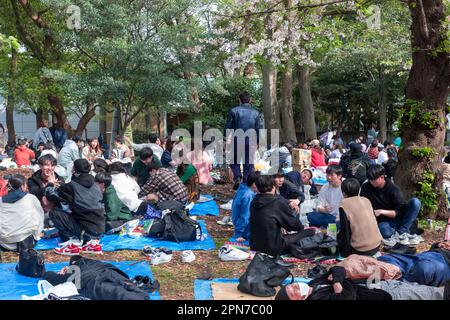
(92, 252)
(67, 253)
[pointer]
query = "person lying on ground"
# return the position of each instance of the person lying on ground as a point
(335, 286)
(270, 214)
(139, 168)
(86, 217)
(330, 197)
(153, 143)
(289, 191)
(358, 232)
(430, 268)
(163, 185)
(117, 213)
(21, 216)
(99, 280)
(395, 216)
(240, 210)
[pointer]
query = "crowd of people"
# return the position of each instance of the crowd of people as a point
(84, 191)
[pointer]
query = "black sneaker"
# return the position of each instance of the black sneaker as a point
(400, 249)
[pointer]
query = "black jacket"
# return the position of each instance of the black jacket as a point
(244, 117)
(390, 197)
(36, 185)
(290, 191)
(100, 281)
(85, 201)
(349, 159)
(268, 214)
(323, 288)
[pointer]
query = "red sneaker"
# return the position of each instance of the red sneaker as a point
(92, 247)
(69, 249)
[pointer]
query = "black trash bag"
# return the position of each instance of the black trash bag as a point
(263, 274)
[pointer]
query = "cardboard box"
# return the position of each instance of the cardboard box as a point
(301, 157)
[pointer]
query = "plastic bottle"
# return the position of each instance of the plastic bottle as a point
(332, 230)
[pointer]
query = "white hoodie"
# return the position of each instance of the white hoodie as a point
(127, 190)
(19, 220)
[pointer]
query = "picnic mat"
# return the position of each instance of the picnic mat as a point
(115, 242)
(13, 285)
(209, 208)
(226, 289)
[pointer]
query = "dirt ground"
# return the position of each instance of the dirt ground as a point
(177, 278)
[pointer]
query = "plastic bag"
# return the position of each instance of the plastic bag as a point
(66, 289)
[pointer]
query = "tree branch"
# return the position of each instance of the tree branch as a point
(423, 22)
(271, 10)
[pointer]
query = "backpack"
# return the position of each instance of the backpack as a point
(180, 228)
(358, 169)
(313, 246)
(31, 263)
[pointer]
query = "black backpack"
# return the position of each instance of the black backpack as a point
(313, 246)
(180, 228)
(31, 263)
(358, 170)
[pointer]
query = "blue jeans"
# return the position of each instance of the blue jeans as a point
(245, 158)
(403, 221)
(427, 268)
(320, 220)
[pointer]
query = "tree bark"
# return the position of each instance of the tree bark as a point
(270, 103)
(286, 110)
(429, 86)
(306, 102)
(382, 108)
(87, 116)
(10, 102)
(58, 110)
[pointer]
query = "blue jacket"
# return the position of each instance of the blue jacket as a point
(59, 136)
(244, 117)
(240, 211)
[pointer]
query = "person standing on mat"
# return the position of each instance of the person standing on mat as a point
(244, 117)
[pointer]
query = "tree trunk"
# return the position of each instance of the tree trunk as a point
(40, 117)
(270, 103)
(382, 108)
(286, 111)
(306, 102)
(82, 124)
(10, 102)
(427, 91)
(58, 110)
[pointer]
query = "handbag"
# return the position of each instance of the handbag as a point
(313, 246)
(31, 263)
(263, 274)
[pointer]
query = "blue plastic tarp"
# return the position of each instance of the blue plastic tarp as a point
(209, 208)
(203, 290)
(115, 242)
(13, 285)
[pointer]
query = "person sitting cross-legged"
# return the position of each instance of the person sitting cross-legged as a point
(162, 185)
(270, 214)
(395, 216)
(358, 233)
(330, 197)
(117, 213)
(86, 217)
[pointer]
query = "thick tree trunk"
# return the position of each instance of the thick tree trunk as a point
(270, 103)
(286, 111)
(382, 104)
(60, 114)
(306, 103)
(87, 116)
(428, 88)
(10, 102)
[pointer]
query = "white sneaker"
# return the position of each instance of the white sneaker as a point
(229, 253)
(402, 238)
(74, 241)
(187, 256)
(413, 239)
(225, 221)
(416, 237)
(161, 256)
(227, 206)
(390, 242)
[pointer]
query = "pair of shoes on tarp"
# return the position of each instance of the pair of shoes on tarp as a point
(146, 284)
